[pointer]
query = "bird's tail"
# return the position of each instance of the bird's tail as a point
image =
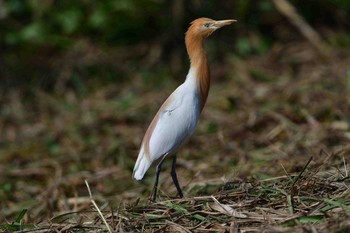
(141, 166)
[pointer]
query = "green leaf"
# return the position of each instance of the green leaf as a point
(200, 218)
(153, 216)
(21, 215)
(311, 219)
(34, 32)
(63, 217)
(338, 203)
(69, 20)
(177, 208)
(16, 227)
(98, 18)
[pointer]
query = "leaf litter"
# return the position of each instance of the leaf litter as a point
(247, 169)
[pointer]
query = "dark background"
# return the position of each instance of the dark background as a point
(59, 45)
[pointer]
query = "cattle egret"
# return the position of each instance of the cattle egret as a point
(177, 118)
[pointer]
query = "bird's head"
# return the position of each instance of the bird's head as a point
(204, 27)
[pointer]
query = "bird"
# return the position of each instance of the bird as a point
(177, 118)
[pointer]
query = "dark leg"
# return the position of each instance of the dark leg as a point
(155, 187)
(174, 176)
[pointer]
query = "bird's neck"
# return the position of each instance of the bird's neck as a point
(199, 65)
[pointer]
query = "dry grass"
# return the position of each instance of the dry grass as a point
(247, 168)
(315, 200)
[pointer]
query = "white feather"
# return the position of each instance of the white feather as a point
(141, 166)
(176, 123)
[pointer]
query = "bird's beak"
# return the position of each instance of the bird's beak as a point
(221, 23)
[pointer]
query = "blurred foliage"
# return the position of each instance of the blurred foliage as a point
(36, 34)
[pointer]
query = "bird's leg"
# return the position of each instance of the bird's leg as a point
(174, 176)
(155, 187)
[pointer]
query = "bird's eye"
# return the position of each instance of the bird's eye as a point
(206, 25)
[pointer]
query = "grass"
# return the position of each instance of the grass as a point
(316, 198)
(271, 153)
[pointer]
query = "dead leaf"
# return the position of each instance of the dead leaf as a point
(225, 209)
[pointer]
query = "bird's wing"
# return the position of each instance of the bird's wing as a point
(177, 120)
